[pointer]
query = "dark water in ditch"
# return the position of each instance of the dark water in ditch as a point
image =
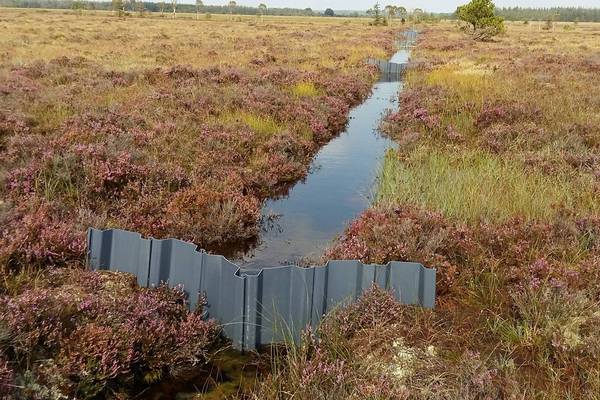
(304, 222)
(309, 217)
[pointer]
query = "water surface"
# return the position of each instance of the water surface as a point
(336, 191)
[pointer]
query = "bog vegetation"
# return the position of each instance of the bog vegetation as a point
(139, 124)
(496, 182)
(169, 128)
(160, 135)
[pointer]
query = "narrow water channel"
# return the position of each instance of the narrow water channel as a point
(310, 216)
(304, 222)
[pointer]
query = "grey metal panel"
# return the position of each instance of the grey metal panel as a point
(381, 276)
(224, 289)
(120, 250)
(406, 281)
(338, 283)
(177, 263)
(278, 304)
(319, 302)
(346, 281)
(389, 68)
(408, 38)
(255, 307)
(301, 299)
(427, 289)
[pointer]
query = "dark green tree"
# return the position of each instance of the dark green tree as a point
(375, 12)
(78, 7)
(329, 12)
(118, 7)
(480, 20)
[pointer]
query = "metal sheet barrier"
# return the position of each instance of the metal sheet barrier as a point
(389, 68)
(408, 38)
(255, 307)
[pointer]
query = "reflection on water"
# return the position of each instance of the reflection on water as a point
(336, 191)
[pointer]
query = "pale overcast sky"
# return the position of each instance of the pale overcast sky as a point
(432, 5)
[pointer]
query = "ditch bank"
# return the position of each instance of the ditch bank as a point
(301, 224)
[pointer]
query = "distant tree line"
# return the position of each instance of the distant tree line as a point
(566, 14)
(154, 7)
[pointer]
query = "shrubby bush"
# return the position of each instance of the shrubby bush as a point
(525, 252)
(74, 333)
(198, 170)
(482, 23)
(338, 361)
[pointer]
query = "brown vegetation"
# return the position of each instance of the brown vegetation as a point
(496, 184)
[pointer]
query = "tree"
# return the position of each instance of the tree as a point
(329, 12)
(77, 7)
(376, 13)
(308, 12)
(480, 20)
(141, 7)
(417, 15)
(262, 10)
(232, 5)
(401, 11)
(174, 5)
(199, 6)
(161, 7)
(391, 12)
(118, 7)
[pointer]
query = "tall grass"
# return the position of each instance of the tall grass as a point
(305, 89)
(265, 126)
(476, 185)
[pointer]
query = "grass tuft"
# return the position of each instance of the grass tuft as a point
(476, 185)
(305, 89)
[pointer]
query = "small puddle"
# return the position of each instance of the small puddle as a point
(304, 222)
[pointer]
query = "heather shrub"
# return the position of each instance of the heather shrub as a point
(84, 334)
(39, 233)
(516, 249)
(484, 127)
(338, 362)
(510, 296)
(7, 384)
(185, 142)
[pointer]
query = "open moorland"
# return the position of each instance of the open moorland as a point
(496, 182)
(184, 128)
(171, 128)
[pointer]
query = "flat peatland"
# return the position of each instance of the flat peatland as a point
(168, 127)
(496, 183)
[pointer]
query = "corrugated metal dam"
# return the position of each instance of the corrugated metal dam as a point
(255, 307)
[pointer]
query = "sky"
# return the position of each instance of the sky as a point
(431, 5)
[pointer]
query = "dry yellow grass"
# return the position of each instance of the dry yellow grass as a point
(132, 43)
(506, 128)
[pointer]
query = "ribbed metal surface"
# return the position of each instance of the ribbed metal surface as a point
(408, 38)
(256, 307)
(388, 68)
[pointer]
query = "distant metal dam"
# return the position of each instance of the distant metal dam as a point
(389, 68)
(255, 307)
